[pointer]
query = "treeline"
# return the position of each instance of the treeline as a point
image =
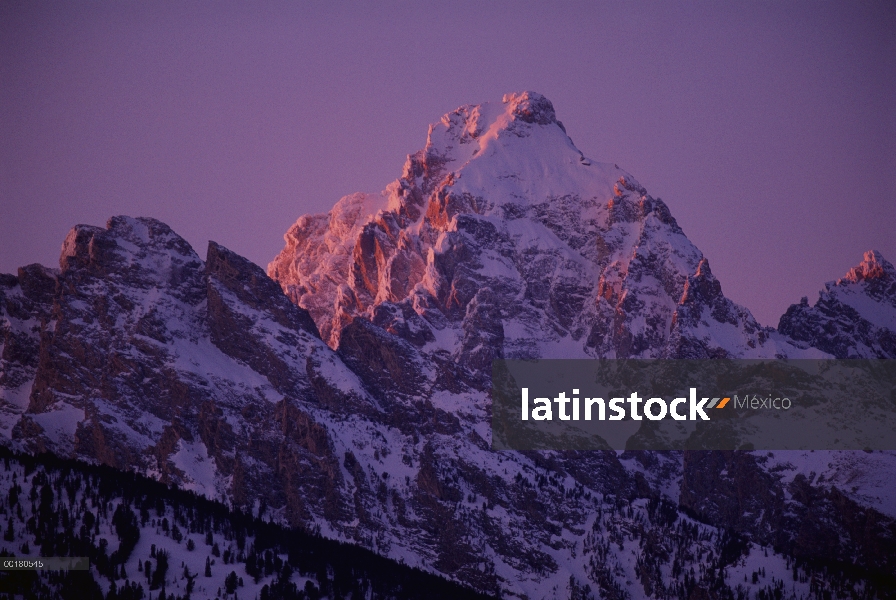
(69, 500)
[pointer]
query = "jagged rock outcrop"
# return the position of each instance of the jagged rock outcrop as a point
(26, 301)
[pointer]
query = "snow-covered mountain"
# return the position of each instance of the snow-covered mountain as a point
(502, 239)
(854, 317)
(361, 409)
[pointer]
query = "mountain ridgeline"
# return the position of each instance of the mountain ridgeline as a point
(345, 392)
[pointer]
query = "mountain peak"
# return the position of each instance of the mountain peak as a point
(492, 129)
(531, 107)
(477, 120)
(502, 240)
(854, 317)
(873, 266)
(127, 241)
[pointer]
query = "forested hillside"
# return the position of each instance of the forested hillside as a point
(147, 540)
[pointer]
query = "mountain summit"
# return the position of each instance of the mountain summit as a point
(501, 239)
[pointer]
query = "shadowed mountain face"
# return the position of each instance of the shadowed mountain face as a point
(356, 404)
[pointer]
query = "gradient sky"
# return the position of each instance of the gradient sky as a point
(767, 127)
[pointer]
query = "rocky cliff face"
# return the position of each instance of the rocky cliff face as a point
(357, 403)
(26, 301)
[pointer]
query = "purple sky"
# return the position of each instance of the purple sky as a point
(767, 127)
